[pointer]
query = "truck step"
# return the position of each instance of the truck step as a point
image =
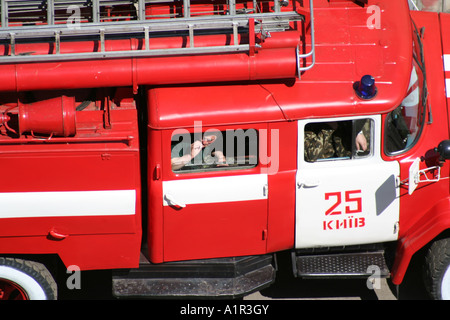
(360, 264)
(221, 278)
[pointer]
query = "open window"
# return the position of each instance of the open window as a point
(214, 150)
(338, 140)
(405, 124)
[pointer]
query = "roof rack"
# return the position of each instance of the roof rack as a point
(57, 21)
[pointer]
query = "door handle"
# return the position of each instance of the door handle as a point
(308, 184)
(55, 235)
(173, 202)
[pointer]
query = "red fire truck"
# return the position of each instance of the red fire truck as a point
(185, 144)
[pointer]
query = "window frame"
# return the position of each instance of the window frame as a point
(168, 173)
(372, 141)
(418, 59)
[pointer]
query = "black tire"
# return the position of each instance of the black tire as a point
(437, 270)
(25, 279)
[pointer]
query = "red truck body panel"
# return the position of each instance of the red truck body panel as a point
(425, 215)
(57, 188)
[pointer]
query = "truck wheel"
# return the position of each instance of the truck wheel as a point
(25, 280)
(437, 270)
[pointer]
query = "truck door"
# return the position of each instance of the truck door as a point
(344, 195)
(214, 203)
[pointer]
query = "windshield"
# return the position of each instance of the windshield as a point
(405, 123)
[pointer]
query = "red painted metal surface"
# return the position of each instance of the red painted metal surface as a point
(267, 64)
(424, 215)
(342, 58)
(155, 221)
(49, 117)
(49, 147)
(211, 230)
(98, 158)
(326, 91)
(82, 142)
(281, 213)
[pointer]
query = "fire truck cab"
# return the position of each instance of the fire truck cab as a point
(184, 144)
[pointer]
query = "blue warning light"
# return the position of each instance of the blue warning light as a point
(366, 88)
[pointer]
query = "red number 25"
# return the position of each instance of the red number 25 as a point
(352, 199)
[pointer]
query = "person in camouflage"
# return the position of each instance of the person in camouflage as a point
(334, 139)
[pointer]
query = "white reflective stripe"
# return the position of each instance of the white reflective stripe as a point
(446, 58)
(217, 189)
(67, 203)
(447, 87)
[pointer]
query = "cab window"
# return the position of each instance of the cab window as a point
(338, 140)
(405, 123)
(214, 151)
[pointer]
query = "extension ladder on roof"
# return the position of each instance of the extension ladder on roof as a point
(59, 20)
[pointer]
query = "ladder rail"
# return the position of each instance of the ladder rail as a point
(126, 53)
(312, 52)
(209, 22)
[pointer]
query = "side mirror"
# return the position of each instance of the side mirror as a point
(444, 149)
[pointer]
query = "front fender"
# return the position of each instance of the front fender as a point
(433, 223)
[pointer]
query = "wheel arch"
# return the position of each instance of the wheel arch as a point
(433, 225)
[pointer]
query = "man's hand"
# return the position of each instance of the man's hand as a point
(361, 142)
(196, 148)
